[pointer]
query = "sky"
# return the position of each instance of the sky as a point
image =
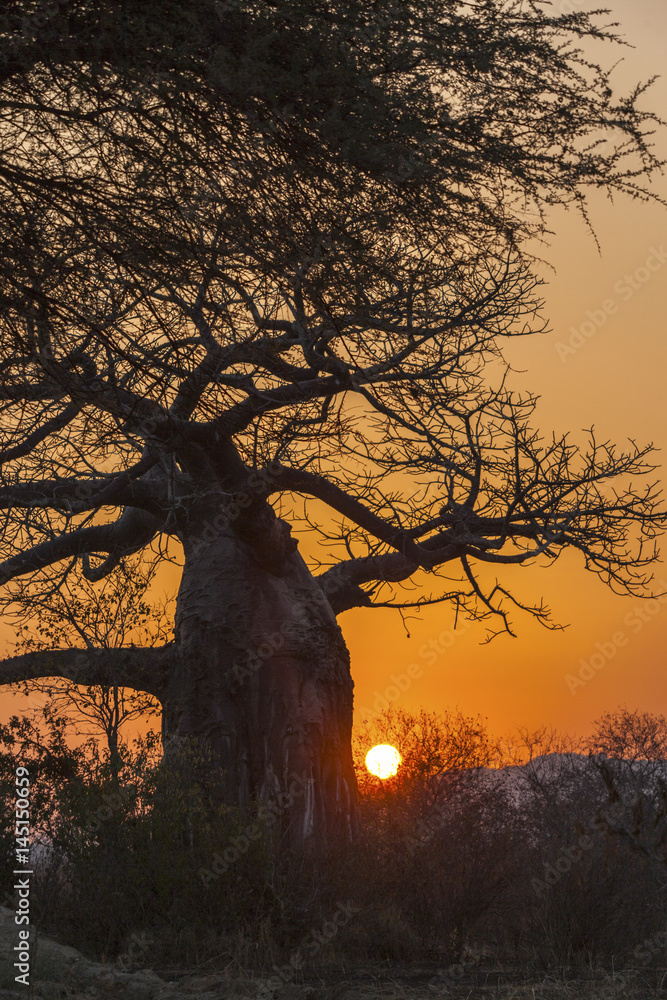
(616, 381)
(610, 651)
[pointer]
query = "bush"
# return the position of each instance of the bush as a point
(119, 853)
(555, 863)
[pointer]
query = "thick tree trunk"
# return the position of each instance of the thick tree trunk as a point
(263, 678)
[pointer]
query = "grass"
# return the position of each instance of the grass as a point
(491, 984)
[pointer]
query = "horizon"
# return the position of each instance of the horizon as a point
(593, 304)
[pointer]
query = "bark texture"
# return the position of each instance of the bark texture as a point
(263, 678)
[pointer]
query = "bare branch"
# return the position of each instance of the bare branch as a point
(40, 434)
(131, 532)
(143, 669)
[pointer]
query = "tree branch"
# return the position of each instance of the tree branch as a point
(298, 481)
(342, 583)
(76, 496)
(40, 434)
(141, 669)
(132, 531)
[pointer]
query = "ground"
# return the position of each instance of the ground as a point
(62, 973)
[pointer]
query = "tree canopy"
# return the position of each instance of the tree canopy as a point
(266, 248)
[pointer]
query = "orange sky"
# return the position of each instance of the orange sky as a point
(616, 381)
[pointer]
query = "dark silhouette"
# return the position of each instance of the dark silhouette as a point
(255, 253)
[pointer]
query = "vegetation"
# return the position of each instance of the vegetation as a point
(83, 616)
(257, 254)
(546, 872)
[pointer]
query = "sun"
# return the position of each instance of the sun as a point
(383, 761)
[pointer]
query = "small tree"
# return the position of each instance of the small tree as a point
(77, 614)
(439, 836)
(259, 250)
(628, 749)
(434, 747)
(629, 735)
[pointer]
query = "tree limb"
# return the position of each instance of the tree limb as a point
(142, 669)
(299, 481)
(76, 496)
(40, 434)
(132, 531)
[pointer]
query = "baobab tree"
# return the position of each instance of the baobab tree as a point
(257, 252)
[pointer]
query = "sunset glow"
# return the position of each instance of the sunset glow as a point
(383, 761)
(605, 307)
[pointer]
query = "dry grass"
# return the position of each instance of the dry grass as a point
(422, 984)
(387, 983)
(484, 986)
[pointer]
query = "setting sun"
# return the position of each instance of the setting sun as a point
(383, 761)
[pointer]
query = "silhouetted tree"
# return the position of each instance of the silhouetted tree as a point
(263, 249)
(629, 735)
(80, 614)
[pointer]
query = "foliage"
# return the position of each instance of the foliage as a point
(434, 747)
(629, 735)
(137, 856)
(117, 851)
